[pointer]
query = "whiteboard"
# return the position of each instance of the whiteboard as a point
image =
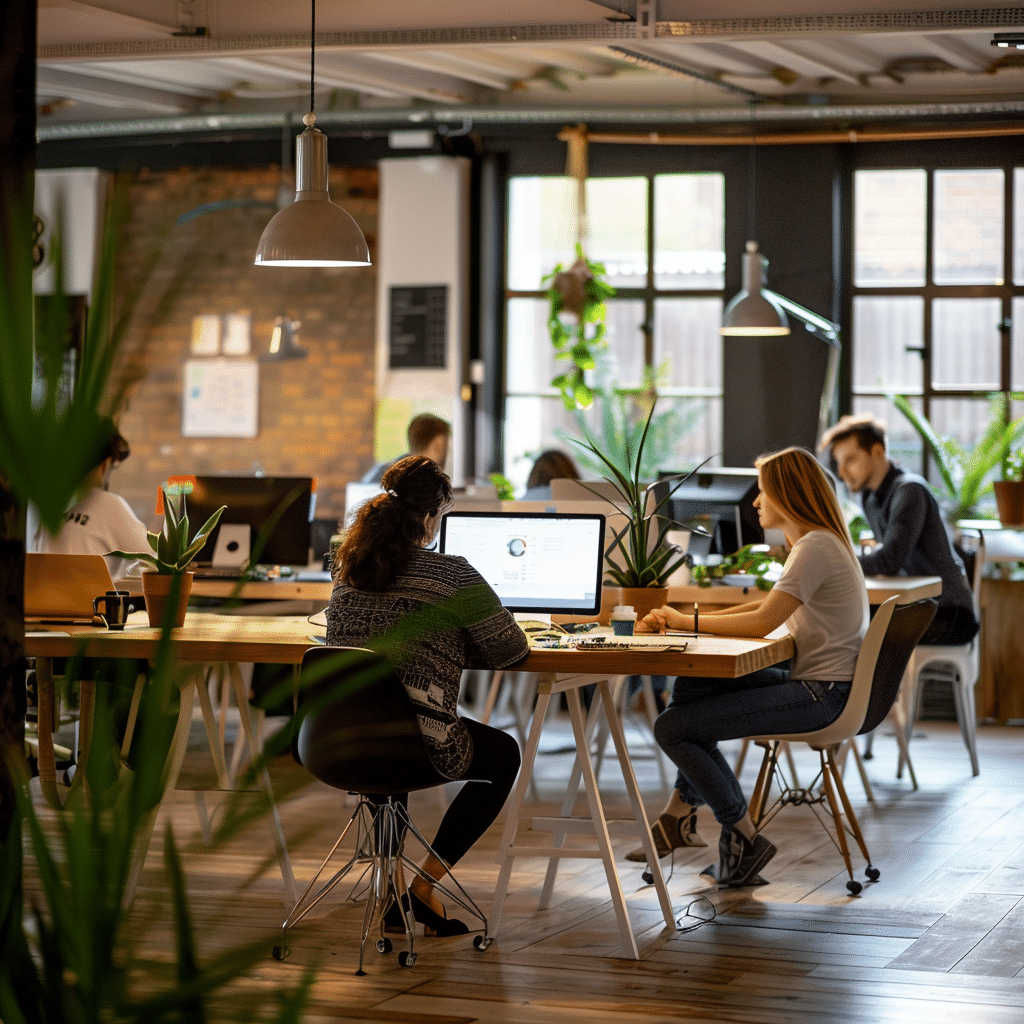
(220, 398)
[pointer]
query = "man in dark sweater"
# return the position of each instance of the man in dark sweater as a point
(910, 534)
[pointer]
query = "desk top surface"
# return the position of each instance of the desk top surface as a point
(208, 637)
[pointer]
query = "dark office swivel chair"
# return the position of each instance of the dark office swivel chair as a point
(884, 653)
(356, 730)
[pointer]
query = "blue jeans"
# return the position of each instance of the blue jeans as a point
(704, 711)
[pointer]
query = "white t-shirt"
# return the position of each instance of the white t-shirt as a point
(829, 625)
(100, 522)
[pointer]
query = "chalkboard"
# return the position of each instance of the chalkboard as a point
(418, 327)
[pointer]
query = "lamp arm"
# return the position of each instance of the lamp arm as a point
(817, 325)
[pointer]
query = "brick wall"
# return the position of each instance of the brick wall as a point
(315, 415)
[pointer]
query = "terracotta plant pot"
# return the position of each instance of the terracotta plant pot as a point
(157, 588)
(1010, 501)
(642, 599)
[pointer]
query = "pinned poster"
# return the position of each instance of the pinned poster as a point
(220, 398)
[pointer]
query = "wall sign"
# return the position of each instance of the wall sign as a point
(220, 398)
(418, 322)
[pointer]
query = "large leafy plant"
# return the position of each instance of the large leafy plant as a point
(966, 473)
(642, 556)
(172, 551)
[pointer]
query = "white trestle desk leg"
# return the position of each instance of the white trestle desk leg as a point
(633, 791)
(175, 757)
(571, 792)
(507, 851)
(213, 734)
(596, 825)
(599, 822)
(245, 713)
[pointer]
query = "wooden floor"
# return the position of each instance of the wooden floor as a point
(939, 938)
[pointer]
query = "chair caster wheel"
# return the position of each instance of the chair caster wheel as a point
(872, 874)
(648, 878)
(481, 942)
(406, 959)
(854, 887)
(384, 946)
(280, 952)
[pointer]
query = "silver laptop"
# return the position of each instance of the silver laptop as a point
(61, 588)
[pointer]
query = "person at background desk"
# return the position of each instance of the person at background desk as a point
(910, 533)
(426, 435)
(383, 574)
(822, 601)
(550, 465)
(101, 521)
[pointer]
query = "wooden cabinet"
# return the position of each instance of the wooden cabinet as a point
(1000, 691)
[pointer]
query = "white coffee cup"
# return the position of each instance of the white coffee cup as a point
(623, 620)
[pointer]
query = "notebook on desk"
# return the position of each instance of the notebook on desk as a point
(61, 588)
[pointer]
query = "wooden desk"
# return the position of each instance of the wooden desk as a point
(205, 639)
(566, 671)
(880, 588)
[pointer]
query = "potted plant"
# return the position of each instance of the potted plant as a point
(965, 472)
(753, 564)
(576, 324)
(1009, 491)
(168, 581)
(641, 560)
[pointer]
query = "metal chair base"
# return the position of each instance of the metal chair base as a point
(381, 830)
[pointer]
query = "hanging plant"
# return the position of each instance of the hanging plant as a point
(576, 324)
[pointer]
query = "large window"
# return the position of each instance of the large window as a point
(661, 240)
(938, 290)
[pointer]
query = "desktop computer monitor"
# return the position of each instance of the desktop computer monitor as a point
(539, 562)
(721, 502)
(277, 510)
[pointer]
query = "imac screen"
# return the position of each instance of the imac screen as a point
(535, 561)
(277, 509)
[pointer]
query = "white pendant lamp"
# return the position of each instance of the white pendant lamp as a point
(312, 231)
(754, 312)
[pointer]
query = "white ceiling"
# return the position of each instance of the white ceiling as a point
(141, 65)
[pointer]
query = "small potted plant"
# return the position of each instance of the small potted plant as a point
(172, 552)
(641, 560)
(1010, 490)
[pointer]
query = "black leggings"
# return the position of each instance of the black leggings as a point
(491, 775)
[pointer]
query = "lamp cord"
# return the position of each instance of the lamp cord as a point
(312, 54)
(752, 172)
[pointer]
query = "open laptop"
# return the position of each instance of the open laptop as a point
(61, 588)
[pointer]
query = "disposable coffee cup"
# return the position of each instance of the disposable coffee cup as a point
(623, 620)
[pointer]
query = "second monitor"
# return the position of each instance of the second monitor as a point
(276, 510)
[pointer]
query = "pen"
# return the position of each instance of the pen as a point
(696, 619)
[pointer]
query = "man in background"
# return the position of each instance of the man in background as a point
(426, 435)
(910, 534)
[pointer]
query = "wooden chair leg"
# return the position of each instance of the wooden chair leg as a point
(759, 797)
(837, 818)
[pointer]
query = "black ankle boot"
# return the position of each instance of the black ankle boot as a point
(740, 858)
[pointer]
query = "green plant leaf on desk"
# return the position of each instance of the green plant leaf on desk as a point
(750, 560)
(172, 551)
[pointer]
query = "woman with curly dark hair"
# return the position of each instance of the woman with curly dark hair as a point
(383, 574)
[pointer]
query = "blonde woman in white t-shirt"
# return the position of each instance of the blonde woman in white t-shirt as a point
(822, 601)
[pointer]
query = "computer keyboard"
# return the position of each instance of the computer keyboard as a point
(218, 572)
